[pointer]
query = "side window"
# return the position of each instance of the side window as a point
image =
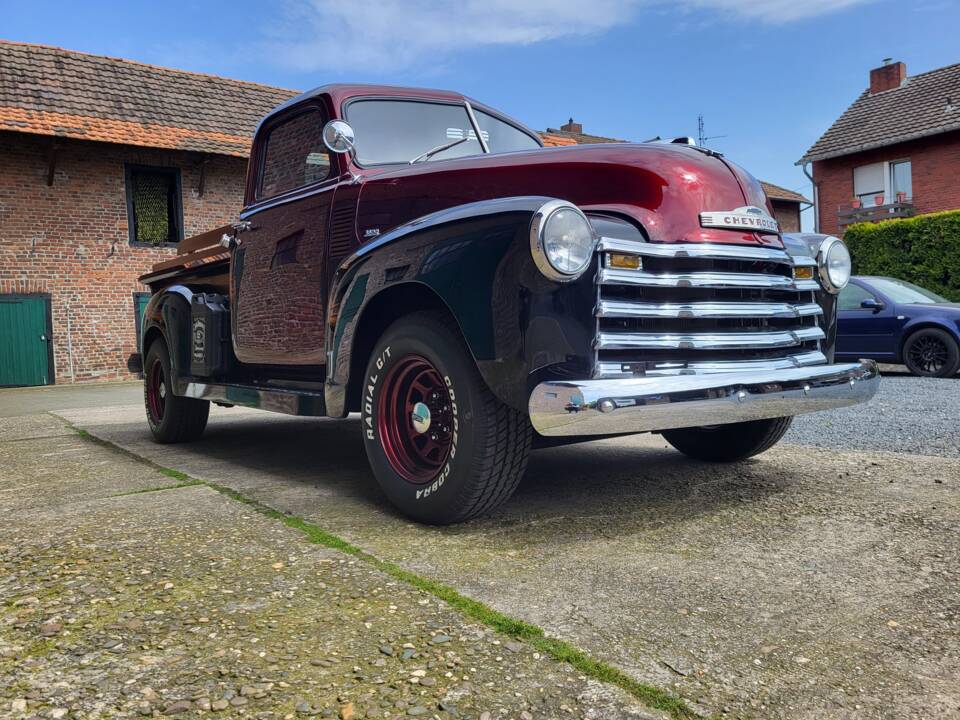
(502, 137)
(851, 297)
(154, 209)
(295, 155)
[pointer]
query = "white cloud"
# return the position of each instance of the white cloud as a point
(387, 34)
(777, 11)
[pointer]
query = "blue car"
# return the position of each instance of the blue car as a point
(895, 321)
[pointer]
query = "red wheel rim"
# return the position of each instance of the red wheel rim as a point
(156, 391)
(415, 419)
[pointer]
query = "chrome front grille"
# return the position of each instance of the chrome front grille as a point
(703, 308)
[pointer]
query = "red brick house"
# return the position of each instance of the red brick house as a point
(895, 152)
(105, 165)
(787, 204)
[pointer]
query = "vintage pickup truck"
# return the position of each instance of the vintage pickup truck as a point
(420, 259)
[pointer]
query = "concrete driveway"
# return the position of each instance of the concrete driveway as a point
(809, 582)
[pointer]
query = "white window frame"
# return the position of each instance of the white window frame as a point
(889, 195)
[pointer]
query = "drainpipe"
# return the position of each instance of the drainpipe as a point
(70, 346)
(816, 198)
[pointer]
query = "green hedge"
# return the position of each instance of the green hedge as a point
(924, 250)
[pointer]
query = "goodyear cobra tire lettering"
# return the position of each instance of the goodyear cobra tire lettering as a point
(438, 483)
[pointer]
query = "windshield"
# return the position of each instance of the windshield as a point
(901, 291)
(397, 131)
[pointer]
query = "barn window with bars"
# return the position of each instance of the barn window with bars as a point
(154, 208)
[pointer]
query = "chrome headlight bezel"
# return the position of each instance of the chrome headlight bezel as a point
(539, 229)
(829, 245)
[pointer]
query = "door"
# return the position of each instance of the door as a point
(25, 341)
(865, 332)
(140, 300)
(278, 269)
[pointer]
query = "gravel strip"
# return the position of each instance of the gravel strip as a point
(911, 415)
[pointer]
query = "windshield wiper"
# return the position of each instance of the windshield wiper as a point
(439, 148)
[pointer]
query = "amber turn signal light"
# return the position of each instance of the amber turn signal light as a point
(804, 272)
(619, 260)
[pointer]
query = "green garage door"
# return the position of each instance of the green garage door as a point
(24, 341)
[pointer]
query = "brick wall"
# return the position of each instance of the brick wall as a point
(787, 213)
(71, 240)
(935, 164)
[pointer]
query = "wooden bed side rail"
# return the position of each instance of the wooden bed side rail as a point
(203, 240)
(192, 251)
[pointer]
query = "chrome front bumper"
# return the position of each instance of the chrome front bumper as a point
(644, 404)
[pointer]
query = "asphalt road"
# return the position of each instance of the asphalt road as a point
(804, 583)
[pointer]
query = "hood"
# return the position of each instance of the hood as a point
(949, 307)
(662, 187)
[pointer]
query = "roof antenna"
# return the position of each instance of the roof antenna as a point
(701, 133)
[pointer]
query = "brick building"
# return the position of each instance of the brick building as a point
(787, 204)
(895, 152)
(105, 165)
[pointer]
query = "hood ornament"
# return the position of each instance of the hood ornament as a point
(749, 217)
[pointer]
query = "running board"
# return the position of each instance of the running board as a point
(282, 400)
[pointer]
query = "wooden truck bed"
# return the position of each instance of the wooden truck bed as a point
(193, 253)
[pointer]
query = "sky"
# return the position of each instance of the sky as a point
(768, 76)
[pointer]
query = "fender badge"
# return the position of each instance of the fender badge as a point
(749, 217)
(371, 232)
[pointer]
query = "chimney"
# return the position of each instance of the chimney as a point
(572, 127)
(888, 76)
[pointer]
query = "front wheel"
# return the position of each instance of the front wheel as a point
(443, 448)
(728, 443)
(931, 353)
(172, 418)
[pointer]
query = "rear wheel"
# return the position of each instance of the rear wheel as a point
(443, 448)
(728, 443)
(172, 418)
(931, 353)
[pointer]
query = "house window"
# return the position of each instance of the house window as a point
(901, 179)
(868, 183)
(154, 208)
(884, 179)
(295, 155)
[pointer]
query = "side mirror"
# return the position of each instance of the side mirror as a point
(338, 136)
(872, 304)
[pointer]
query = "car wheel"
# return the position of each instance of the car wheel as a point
(443, 448)
(172, 418)
(931, 353)
(728, 443)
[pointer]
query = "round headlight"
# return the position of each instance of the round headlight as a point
(562, 240)
(835, 265)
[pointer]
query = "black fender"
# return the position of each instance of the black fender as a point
(168, 312)
(520, 327)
